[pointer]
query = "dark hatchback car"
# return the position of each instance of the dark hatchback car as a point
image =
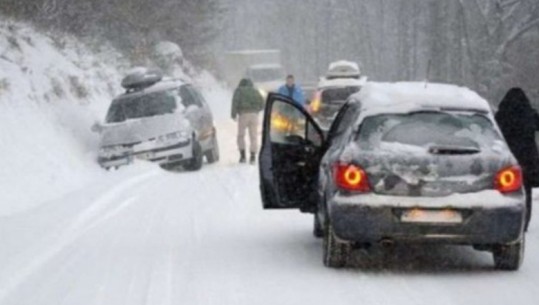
(401, 163)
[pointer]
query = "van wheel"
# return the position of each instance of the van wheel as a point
(213, 154)
(509, 257)
(336, 253)
(195, 163)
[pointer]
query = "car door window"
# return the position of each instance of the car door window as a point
(290, 126)
(344, 120)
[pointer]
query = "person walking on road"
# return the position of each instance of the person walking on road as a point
(246, 104)
(518, 122)
(293, 91)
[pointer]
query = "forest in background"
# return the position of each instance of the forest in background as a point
(488, 45)
(133, 26)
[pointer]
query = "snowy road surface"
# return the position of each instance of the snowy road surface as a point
(145, 236)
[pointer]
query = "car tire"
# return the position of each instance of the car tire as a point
(318, 231)
(195, 163)
(336, 253)
(213, 154)
(509, 257)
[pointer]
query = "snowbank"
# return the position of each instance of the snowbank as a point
(51, 90)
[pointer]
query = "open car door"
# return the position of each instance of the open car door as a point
(292, 147)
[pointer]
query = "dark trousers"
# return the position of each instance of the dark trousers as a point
(528, 190)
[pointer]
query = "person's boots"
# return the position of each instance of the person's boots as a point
(252, 160)
(242, 156)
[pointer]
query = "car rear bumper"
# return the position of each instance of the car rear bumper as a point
(163, 155)
(487, 218)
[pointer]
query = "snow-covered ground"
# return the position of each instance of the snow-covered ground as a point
(71, 233)
(145, 236)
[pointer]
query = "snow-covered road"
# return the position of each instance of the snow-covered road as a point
(145, 236)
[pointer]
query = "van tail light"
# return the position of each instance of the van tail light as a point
(351, 178)
(509, 180)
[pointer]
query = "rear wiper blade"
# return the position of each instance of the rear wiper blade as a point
(453, 150)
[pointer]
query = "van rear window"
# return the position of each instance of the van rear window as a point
(338, 95)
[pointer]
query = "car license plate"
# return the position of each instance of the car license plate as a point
(432, 216)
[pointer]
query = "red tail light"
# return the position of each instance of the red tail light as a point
(509, 180)
(351, 178)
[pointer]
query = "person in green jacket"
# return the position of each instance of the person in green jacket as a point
(246, 105)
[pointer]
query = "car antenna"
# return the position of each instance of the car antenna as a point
(428, 74)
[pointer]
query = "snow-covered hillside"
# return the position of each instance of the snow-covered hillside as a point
(52, 89)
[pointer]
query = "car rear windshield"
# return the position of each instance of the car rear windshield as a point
(466, 131)
(147, 105)
(338, 95)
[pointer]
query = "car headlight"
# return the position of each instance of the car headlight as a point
(263, 93)
(112, 151)
(175, 136)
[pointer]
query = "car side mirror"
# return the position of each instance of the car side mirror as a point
(97, 127)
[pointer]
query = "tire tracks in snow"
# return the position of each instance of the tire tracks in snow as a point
(88, 219)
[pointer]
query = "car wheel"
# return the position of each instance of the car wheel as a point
(196, 162)
(213, 154)
(509, 257)
(318, 231)
(336, 253)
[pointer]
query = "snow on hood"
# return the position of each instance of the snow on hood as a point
(140, 130)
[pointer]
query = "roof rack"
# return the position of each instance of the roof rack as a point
(141, 78)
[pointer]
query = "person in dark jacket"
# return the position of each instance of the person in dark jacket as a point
(246, 104)
(518, 122)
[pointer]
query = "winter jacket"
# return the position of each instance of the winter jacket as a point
(518, 122)
(295, 93)
(246, 99)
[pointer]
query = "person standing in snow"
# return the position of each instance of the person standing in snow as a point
(293, 91)
(246, 104)
(518, 122)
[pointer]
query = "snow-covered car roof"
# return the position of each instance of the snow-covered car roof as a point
(163, 85)
(377, 98)
(341, 82)
(343, 68)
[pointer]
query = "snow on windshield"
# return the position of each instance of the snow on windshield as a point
(425, 130)
(147, 105)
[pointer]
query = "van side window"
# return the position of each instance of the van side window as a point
(198, 96)
(188, 98)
